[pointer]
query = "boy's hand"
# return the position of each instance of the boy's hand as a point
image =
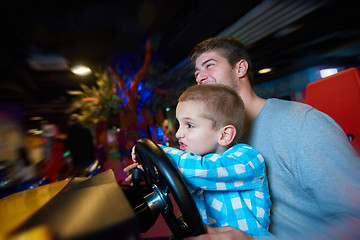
(132, 166)
(128, 169)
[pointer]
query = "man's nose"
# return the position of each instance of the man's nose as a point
(201, 77)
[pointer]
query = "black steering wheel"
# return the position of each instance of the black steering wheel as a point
(164, 178)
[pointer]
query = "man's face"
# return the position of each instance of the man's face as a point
(211, 67)
(196, 133)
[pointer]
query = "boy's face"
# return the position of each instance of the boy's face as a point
(196, 133)
(211, 67)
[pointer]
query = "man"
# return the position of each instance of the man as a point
(314, 173)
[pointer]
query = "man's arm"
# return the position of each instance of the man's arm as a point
(222, 233)
(329, 171)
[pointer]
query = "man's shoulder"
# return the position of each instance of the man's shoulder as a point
(283, 110)
(287, 105)
(298, 112)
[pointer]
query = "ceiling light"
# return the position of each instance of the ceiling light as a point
(81, 70)
(327, 72)
(74, 92)
(264, 70)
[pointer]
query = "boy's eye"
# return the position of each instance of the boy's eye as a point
(190, 125)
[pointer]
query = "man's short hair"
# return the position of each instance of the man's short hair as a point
(228, 47)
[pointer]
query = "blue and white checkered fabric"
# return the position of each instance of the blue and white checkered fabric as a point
(230, 189)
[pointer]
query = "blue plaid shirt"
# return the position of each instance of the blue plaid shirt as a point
(229, 189)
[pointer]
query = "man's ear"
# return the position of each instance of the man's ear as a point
(242, 68)
(228, 134)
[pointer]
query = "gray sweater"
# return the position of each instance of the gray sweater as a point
(313, 172)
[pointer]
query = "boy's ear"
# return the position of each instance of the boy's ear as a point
(227, 136)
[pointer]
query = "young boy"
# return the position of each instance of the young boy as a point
(228, 181)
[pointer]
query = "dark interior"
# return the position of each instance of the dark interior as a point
(42, 39)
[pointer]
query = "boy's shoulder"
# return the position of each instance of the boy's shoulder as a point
(242, 145)
(244, 152)
(243, 148)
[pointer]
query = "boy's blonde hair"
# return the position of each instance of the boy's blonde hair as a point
(223, 106)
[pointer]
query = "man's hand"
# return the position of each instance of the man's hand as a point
(222, 233)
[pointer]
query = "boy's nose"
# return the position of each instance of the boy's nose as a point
(178, 134)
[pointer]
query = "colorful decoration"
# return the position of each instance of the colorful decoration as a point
(132, 97)
(127, 138)
(97, 103)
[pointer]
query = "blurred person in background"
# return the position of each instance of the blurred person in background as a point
(15, 167)
(80, 143)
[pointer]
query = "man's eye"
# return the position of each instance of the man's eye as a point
(196, 74)
(209, 65)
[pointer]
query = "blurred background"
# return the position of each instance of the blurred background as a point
(134, 59)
